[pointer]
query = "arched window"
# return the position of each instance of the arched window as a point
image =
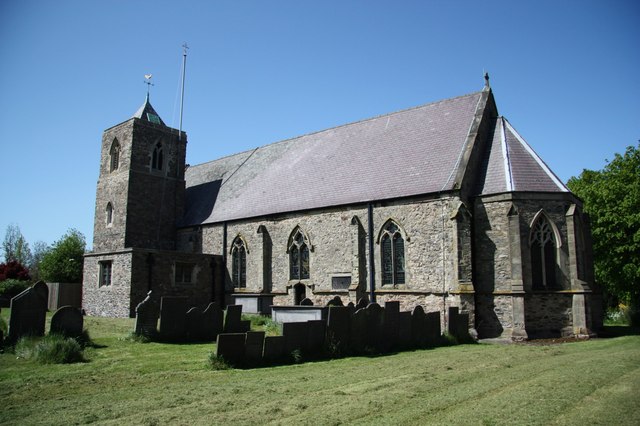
(114, 155)
(109, 214)
(392, 251)
(157, 157)
(298, 257)
(543, 254)
(239, 263)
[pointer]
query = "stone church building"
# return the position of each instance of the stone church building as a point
(439, 205)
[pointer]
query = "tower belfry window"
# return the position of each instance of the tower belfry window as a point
(157, 157)
(114, 154)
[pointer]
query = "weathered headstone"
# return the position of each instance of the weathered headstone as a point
(231, 347)
(194, 324)
(338, 323)
(336, 301)
(433, 331)
(419, 333)
(147, 313)
(390, 324)
(254, 345)
(358, 331)
(458, 324)
(306, 302)
(317, 331)
(375, 318)
(274, 348)
(212, 319)
(363, 302)
(296, 336)
(28, 312)
(404, 330)
(67, 321)
(232, 319)
(173, 320)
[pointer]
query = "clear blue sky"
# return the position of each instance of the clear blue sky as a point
(566, 74)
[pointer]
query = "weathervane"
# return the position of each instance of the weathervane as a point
(147, 81)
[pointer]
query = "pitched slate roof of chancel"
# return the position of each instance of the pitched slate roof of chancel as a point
(402, 154)
(510, 164)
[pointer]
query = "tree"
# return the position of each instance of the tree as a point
(40, 248)
(13, 270)
(15, 246)
(63, 262)
(612, 199)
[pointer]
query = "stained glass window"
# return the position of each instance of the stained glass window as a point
(543, 254)
(239, 264)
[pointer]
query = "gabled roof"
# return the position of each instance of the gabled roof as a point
(512, 165)
(147, 113)
(418, 151)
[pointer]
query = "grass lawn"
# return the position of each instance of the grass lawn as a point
(126, 382)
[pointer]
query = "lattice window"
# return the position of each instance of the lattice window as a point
(392, 251)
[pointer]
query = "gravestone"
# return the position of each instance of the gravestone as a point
(67, 321)
(458, 325)
(336, 301)
(358, 338)
(230, 347)
(28, 312)
(306, 302)
(404, 330)
(254, 346)
(390, 324)
(363, 302)
(147, 313)
(274, 348)
(212, 320)
(296, 336)
(338, 323)
(194, 324)
(419, 332)
(173, 320)
(375, 318)
(316, 332)
(232, 319)
(433, 331)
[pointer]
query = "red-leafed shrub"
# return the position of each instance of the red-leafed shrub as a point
(13, 270)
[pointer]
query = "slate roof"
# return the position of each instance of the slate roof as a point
(412, 152)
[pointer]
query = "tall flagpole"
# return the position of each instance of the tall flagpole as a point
(184, 69)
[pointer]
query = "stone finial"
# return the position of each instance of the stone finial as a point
(486, 80)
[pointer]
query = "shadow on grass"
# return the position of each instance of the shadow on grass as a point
(609, 331)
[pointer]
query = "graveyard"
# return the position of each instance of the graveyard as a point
(127, 381)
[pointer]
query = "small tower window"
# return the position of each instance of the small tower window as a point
(157, 157)
(109, 214)
(105, 273)
(392, 250)
(239, 263)
(114, 156)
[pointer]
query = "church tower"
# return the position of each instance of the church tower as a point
(141, 187)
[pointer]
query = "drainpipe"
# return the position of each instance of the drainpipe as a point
(372, 275)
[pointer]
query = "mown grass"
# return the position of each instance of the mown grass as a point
(127, 382)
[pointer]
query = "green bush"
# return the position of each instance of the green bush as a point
(263, 323)
(12, 287)
(216, 362)
(50, 349)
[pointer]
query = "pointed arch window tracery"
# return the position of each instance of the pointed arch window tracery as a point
(543, 254)
(298, 257)
(157, 157)
(239, 263)
(392, 253)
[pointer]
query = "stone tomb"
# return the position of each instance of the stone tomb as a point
(28, 312)
(68, 321)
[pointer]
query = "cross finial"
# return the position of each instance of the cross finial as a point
(147, 81)
(486, 80)
(184, 49)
